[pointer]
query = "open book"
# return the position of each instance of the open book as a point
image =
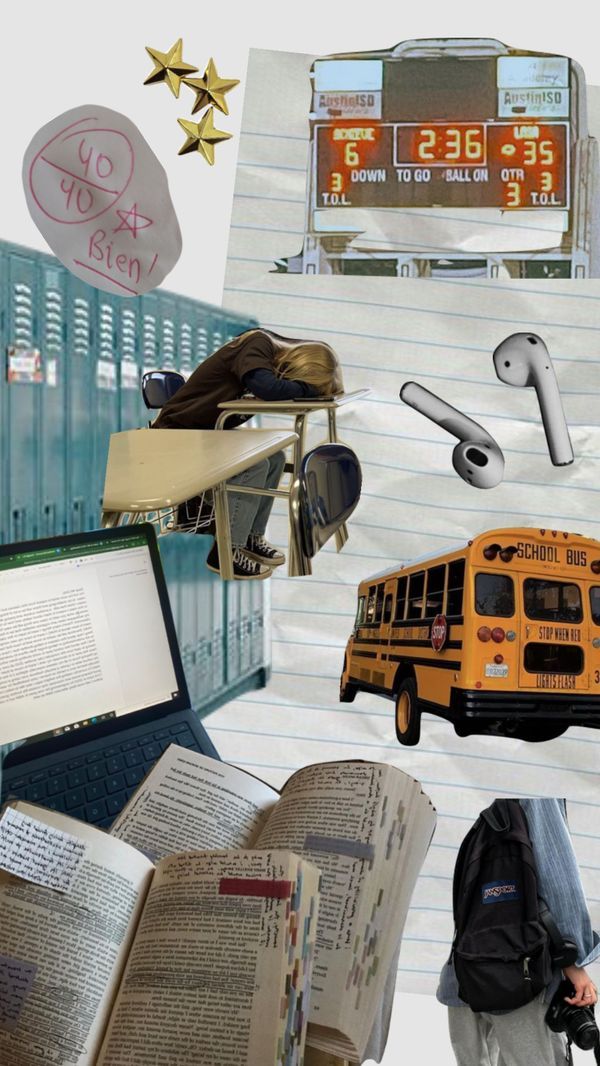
(367, 826)
(107, 960)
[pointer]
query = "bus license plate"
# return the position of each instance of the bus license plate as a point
(496, 669)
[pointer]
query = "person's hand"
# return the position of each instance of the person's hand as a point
(586, 993)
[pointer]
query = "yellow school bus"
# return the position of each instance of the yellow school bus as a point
(498, 635)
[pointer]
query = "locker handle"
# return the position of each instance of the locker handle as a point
(78, 509)
(19, 522)
(49, 519)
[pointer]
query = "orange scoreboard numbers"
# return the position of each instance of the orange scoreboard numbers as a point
(499, 164)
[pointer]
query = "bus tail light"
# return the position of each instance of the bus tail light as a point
(484, 633)
(498, 635)
(595, 566)
(491, 551)
(498, 659)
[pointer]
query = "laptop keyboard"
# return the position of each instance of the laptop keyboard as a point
(95, 787)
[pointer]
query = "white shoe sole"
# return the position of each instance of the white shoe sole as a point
(256, 558)
(241, 577)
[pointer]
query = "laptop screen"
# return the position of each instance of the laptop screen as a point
(82, 634)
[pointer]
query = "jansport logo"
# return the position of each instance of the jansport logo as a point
(499, 891)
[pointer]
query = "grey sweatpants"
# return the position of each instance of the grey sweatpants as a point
(519, 1038)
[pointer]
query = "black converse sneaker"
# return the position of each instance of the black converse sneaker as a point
(259, 549)
(244, 568)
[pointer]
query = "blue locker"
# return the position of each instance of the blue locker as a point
(233, 632)
(185, 316)
(202, 336)
(170, 550)
(129, 356)
(245, 618)
(82, 506)
(149, 330)
(23, 409)
(192, 579)
(53, 426)
(167, 314)
(4, 452)
(88, 349)
(105, 392)
(209, 633)
(258, 597)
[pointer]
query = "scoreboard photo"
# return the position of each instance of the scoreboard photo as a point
(467, 132)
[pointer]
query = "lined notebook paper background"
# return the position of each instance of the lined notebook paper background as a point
(441, 333)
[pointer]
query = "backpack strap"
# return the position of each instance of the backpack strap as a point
(564, 951)
(497, 816)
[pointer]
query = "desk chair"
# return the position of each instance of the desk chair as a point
(198, 514)
(159, 386)
(324, 494)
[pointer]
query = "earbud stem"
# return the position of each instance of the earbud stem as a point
(442, 413)
(553, 420)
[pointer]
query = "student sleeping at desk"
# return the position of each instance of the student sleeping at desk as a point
(271, 367)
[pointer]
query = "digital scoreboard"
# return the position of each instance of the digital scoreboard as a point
(450, 156)
(488, 133)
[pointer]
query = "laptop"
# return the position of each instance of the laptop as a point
(91, 676)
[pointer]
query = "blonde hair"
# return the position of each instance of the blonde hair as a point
(313, 362)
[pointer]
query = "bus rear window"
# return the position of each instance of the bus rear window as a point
(495, 595)
(553, 659)
(456, 580)
(595, 604)
(552, 601)
(360, 611)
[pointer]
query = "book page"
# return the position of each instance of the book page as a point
(219, 972)
(189, 801)
(62, 952)
(350, 819)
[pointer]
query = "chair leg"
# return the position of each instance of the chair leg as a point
(341, 534)
(223, 533)
(110, 519)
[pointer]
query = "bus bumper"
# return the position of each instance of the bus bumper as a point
(582, 708)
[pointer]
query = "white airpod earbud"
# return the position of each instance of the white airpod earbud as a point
(523, 360)
(478, 459)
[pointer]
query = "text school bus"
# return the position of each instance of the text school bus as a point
(500, 635)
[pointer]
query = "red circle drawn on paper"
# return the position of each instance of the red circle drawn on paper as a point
(116, 194)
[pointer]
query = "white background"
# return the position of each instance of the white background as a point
(62, 54)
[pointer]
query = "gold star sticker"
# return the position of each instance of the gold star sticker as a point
(211, 89)
(202, 136)
(169, 67)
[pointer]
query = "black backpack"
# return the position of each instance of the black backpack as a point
(505, 943)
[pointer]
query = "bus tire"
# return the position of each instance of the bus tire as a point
(347, 692)
(408, 715)
(536, 732)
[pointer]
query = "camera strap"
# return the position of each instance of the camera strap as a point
(564, 952)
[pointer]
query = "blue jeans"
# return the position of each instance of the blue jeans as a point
(250, 514)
